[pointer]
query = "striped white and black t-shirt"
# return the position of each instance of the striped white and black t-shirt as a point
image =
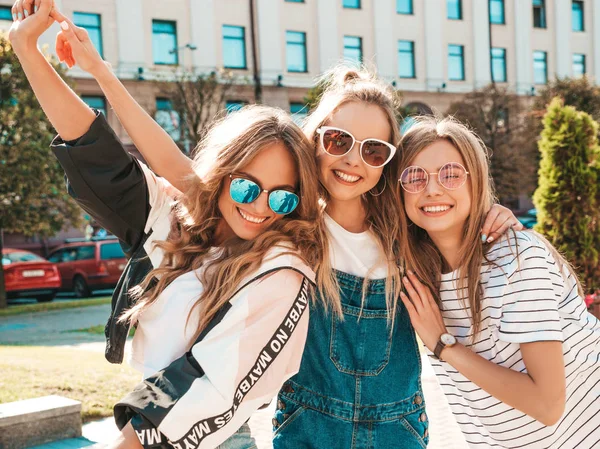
(525, 299)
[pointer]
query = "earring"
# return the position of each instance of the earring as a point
(384, 186)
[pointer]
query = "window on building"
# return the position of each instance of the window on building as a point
(168, 118)
(295, 1)
(353, 48)
(234, 105)
(539, 13)
(5, 13)
(497, 12)
(295, 49)
(95, 102)
(499, 65)
(577, 15)
(352, 4)
(456, 62)
(540, 67)
(404, 6)
(164, 42)
(406, 59)
(299, 112)
(234, 47)
(93, 24)
(454, 9)
(578, 65)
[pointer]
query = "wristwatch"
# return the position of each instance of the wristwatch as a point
(446, 341)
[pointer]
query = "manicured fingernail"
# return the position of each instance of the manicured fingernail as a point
(20, 16)
(14, 17)
(490, 240)
(26, 13)
(409, 272)
(483, 238)
(35, 8)
(64, 25)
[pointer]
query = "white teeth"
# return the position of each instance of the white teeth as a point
(345, 177)
(250, 218)
(433, 209)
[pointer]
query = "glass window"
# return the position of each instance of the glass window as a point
(404, 6)
(56, 256)
(406, 59)
(353, 48)
(111, 251)
(21, 256)
(497, 12)
(454, 9)
(168, 118)
(95, 102)
(353, 4)
(539, 13)
(577, 15)
(5, 14)
(540, 67)
(456, 62)
(86, 252)
(234, 47)
(234, 105)
(295, 1)
(93, 24)
(299, 112)
(499, 65)
(578, 65)
(295, 49)
(164, 42)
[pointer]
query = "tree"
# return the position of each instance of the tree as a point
(567, 196)
(577, 92)
(197, 100)
(501, 119)
(33, 199)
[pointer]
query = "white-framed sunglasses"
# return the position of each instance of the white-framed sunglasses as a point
(338, 142)
(451, 176)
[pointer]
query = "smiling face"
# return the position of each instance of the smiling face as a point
(347, 177)
(437, 210)
(273, 168)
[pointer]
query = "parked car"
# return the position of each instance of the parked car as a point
(29, 275)
(529, 219)
(87, 265)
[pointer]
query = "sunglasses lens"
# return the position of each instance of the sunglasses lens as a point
(337, 142)
(375, 153)
(452, 176)
(414, 179)
(283, 202)
(243, 190)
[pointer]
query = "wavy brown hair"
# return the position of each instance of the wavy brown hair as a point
(231, 144)
(419, 252)
(343, 85)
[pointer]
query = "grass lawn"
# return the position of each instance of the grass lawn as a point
(59, 305)
(99, 330)
(34, 371)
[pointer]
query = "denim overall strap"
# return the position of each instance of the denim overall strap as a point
(359, 383)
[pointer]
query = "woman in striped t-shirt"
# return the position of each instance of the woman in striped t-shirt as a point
(511, 341)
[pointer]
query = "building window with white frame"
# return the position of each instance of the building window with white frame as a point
(164, 42)
(404, 6)
(92, 23)
(577, 16)
(234, 47)
(351, 4)
(540, 67)
(299, 112)
(168, 118)
(499, 65)
(295, 46)
(454, 9)
(497, 15)
(456, 62)
(5, 13)
(96, 102)
(578, 65)
(539, 13)
(353, 48)
(406, 59)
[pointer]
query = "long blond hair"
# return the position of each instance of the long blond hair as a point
(231, 144)
(419, 251)
(344, 84)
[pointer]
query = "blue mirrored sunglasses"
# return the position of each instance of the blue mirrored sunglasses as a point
(245, 191)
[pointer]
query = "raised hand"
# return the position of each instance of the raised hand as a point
(499, 219)
(74, 46)
(32, 18)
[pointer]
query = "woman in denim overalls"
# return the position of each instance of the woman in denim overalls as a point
(359, 382)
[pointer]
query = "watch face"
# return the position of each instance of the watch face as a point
(448, 339)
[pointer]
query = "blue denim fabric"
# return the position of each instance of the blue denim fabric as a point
(242, 439)
(359, 385)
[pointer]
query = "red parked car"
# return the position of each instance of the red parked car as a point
(28, 275)
(87, 265)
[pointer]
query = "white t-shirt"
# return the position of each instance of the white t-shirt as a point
(525, 299)
(358, 254)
